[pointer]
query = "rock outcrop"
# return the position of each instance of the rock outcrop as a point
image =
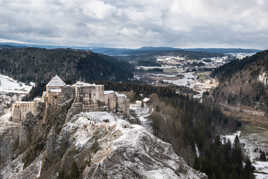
(62, 142)
(98, 145)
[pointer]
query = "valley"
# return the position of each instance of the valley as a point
(133, 89)
(162, 102)
(197, 75)
(185, 71)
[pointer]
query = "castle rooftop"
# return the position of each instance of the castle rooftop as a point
(109, 92)
(120, 95)
(56, 81)
(80, 83)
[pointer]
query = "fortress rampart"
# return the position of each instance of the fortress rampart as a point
(21, 108)
(86, 97)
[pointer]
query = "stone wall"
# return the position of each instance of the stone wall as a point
(58, 95)
(90, 96)
(86, 97)
(122, 103)
(110, 100)
(21, 108)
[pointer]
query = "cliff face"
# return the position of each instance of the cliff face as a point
(88, 145)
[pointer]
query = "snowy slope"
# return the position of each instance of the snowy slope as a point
(9, 85)
(125, 150)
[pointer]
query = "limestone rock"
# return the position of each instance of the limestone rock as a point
(94, 145)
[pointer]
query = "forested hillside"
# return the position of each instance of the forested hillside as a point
(190, 126)
(35, 64)
(243, 82)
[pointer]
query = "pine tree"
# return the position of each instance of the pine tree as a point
(249, 169)
(196, 164)
(262, 156)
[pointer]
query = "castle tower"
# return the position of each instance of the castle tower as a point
(54, 89)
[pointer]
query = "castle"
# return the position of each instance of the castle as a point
(86, 97)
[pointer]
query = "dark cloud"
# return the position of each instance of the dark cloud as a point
(133, 23)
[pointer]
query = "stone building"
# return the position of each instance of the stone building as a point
(90, 96)
(21, 108)
(57, 91)
(110, 100)
(86, 97)
(122, 103)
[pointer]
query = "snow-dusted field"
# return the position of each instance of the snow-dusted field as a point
(188, 80)
(240, 56)
(9, 85)
(185, 71)
(252, 145)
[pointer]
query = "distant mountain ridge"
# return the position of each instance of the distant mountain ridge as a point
(148, 50)
(223, 50)
(128, 51)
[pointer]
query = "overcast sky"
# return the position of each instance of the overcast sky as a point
(136, 23)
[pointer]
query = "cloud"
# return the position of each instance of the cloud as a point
(134, 23)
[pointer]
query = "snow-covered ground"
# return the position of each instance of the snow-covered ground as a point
(143, 114)
(9, 85)
(230, 137)
(240, 56)
(11, 91)
(185, 71)
(132, 144)
(188, 80)
(252, 147)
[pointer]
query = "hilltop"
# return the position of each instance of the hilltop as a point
(36, 64)
(243, 82)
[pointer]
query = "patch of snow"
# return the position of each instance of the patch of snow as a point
(6, 117)
(55, 90)
(143, 114)
(40, 169)
(197, 151)
(120, 95)
(250, 144)
(260, 176)
(109, 92)
(145, 100)
(188, 80)
(85, 122)
(261, 166)
(165, 173)
(164, 75)
(230, 137)
(9, 85)
(241, 56)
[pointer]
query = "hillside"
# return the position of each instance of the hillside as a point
(243, 82)
(35, 64)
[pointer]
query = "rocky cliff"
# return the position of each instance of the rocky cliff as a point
(88, 145)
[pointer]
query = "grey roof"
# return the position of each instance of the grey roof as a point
(56, 81)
